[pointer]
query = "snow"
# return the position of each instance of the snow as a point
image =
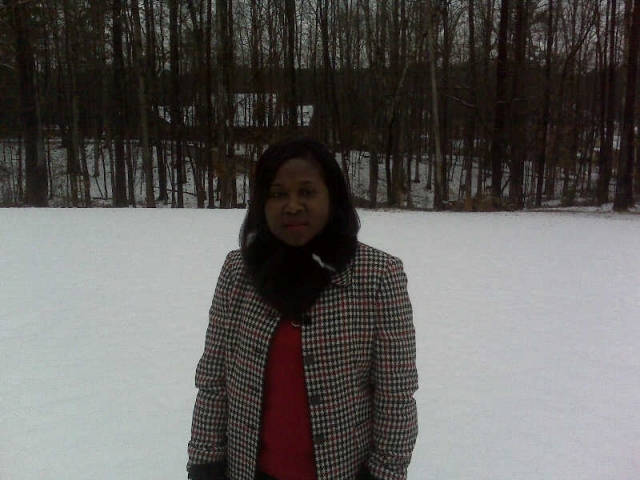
(528, 326)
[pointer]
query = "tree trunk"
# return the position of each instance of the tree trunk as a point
(152, 89)
(438, 199)
(498, 143)
(176, 104)
(199, 158)
(609, 89)
(131, 174)
(624, 183)
(486, 107)
(373, 178)
(120, 187)
(105, 124)
(546, 113)
(35, 162)
(226, 148)
(375, 36)
(443, 108)
(86, 177)
(291, 92)
(518, 112)
(69, 80)
(143, 107)
(470, 115)
(209, 146)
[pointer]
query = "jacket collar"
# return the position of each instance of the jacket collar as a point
(343, 277)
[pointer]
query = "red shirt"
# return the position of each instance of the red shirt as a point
(286, 444)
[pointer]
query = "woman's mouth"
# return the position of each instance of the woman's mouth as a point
(295, 226)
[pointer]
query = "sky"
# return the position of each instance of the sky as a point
(527, 327)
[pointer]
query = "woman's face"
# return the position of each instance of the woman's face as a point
(298, 204)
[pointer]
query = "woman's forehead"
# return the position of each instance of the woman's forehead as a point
(300, 170)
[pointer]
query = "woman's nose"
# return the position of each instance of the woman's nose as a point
(293, 204)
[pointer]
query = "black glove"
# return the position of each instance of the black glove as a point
(364, 474)
(209, 471)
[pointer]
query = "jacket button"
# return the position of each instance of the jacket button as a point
(309, 360)
(305, 318)
(319, 439)
(315, 400)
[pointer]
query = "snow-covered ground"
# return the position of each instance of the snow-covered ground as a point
(528, 328)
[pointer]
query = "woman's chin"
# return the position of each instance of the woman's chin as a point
(295, 236)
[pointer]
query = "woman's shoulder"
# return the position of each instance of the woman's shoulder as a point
(233, 263)
(373, 267)
(369, 256)
(234, 257)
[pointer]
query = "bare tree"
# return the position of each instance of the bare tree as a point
(624, 183)
(544, 125)
(153, 45)
(290, 70)
(471, 111)
(499, 140)
(210, 145)
(143, 107)
(176, 104)
(226, 111)
(375, 39)
(438, 202)
(518, 111)
(118, 122)
(608, 91)
(515, 74)
(68, 61)
(199, 160)
(35, 163)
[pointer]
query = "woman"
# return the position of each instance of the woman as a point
(309, 363)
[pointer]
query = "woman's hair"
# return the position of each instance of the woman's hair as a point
(343, 217)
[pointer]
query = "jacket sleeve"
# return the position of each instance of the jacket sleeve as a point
(395, 378)
(208, 445)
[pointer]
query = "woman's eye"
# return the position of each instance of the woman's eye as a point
(276, 194)
(307, 193)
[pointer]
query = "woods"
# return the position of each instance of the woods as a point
(476, 105)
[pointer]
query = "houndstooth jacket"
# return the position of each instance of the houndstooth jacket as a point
(359, 363)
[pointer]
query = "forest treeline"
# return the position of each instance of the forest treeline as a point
(528, 97)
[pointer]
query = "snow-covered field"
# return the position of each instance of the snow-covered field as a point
(528, 330)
